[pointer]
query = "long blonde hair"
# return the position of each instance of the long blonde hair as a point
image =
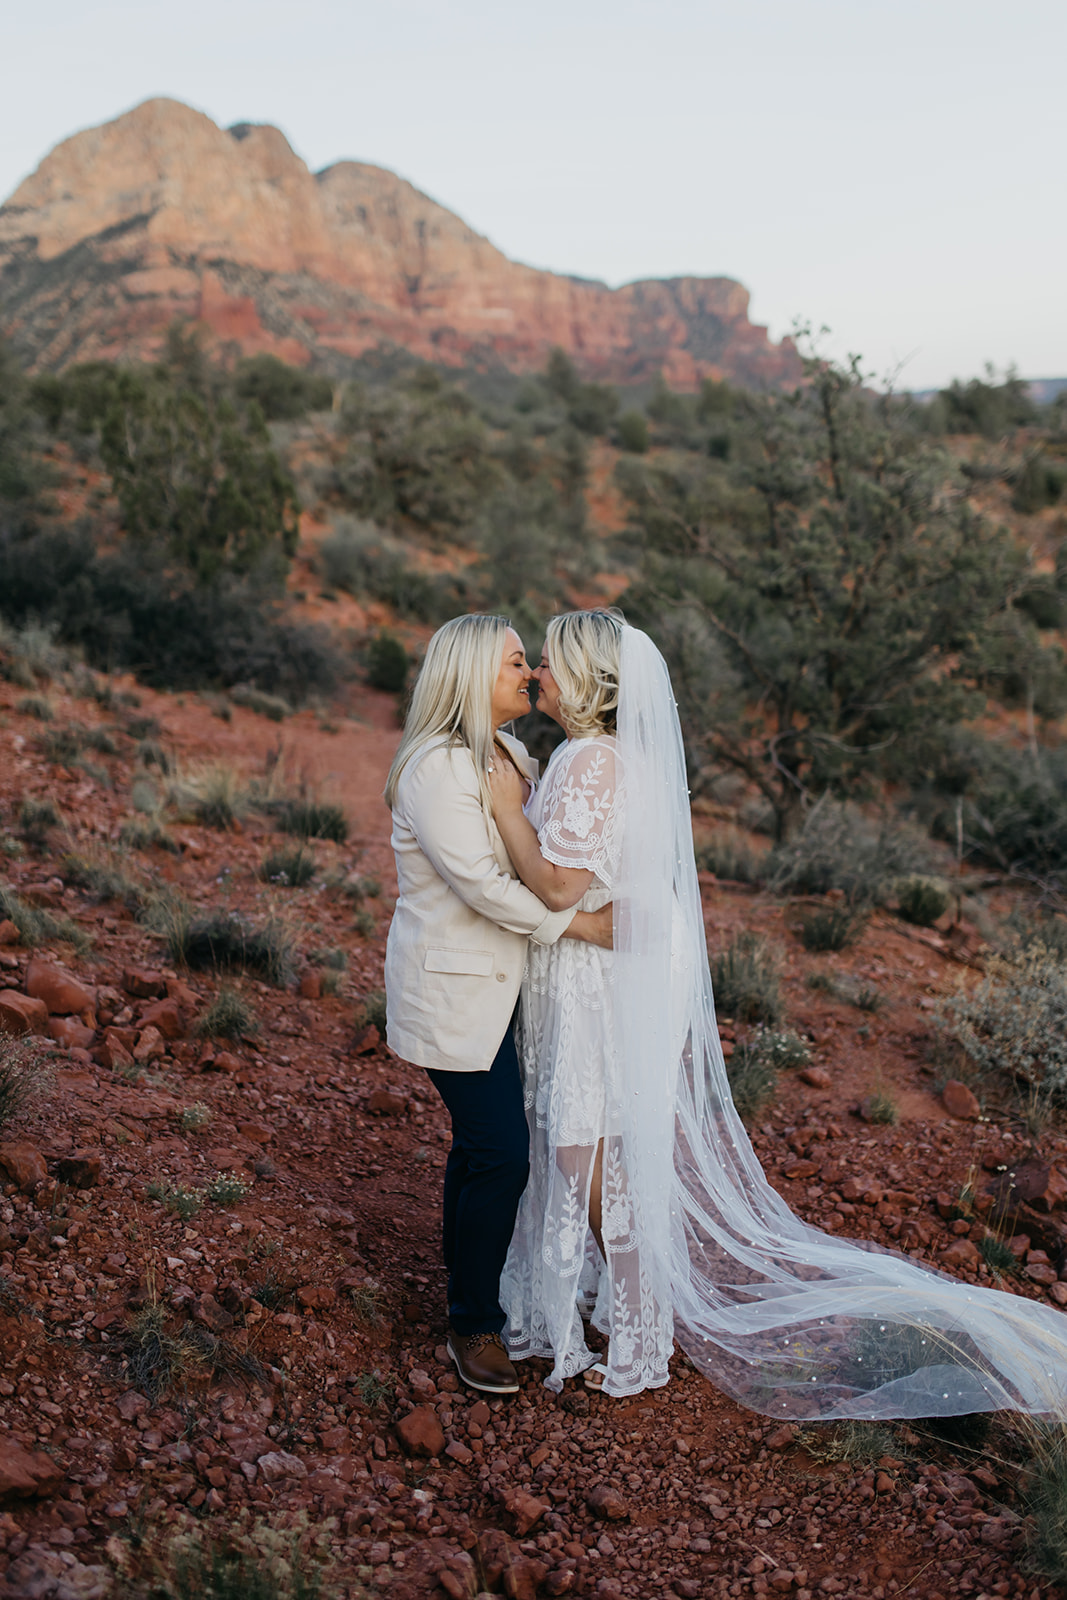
(453, 696)
(583, 657)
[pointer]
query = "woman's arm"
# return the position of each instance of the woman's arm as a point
(593, 927)
(558, 887)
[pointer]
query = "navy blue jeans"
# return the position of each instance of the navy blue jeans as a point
(487, 1169)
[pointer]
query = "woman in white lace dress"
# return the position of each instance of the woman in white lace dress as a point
(574, 1239)
(645, 1194)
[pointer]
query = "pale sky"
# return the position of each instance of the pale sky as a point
(893, 170)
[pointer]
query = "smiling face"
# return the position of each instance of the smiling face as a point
(547, 690)
(511, 692)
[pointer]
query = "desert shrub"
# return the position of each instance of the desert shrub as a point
(194, 1118)
(229, 1016)
(265, 705)
(387, 663)
(150, 753)
(996, 1253)
(370, 1012)
(728, 854)
(103, 878)
(831, 927)
(226, 1189)
(247, 1561)
(184, 1203)
(291, 868)
(1045, 1489)
(26, 1076)
(282, 392)
(881, 1108)
(147, 835)
(364, 924)
(746, 980)
(35, 705)
(225, 942)
(753, 1079)
(30, 653)
(367, 562)
(1034, 926)
(130, 611)
(1014, 1023)
(312, 819)
(853, 1442)
(839, 847)
(35, 924)
(36, 819)
(335, 958)
(783, 1048)
(631, 430)
(212, 793)
(922, 900)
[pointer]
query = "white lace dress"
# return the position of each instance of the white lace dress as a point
(554, 1270)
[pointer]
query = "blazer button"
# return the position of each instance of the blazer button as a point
(501, 977)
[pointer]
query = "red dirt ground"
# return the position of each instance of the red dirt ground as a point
(323, 1284)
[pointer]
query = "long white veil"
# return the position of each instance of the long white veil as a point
(792, 1322)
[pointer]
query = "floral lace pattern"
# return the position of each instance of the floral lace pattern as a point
(566, 1048)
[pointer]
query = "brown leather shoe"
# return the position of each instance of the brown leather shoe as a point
(482, 1362)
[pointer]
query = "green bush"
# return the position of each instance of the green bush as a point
(839, 847)
(746, 980)
(229, 1016)
(1014, 1023)
(364, 561)
(291, 868)
(371, 1011)
(312, 819)
(226, 942)
(388, 663)
(923, 900)
(283, 393)
(753, 1080)
(632, 432)
(831, 927)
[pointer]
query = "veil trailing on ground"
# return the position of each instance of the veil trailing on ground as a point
(792, 1322)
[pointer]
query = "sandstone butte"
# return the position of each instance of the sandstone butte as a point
(161, 214)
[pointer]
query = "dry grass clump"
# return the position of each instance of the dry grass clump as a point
(746, 978)
(35, 705)
(162, 1359)
(1014, 1023)
(831, 927)
(211, 793)
(26, 1076)
(36, 925)
(729, 855)
(225, 942)
(922, 900)
(839, 847)
(102, 877)
(312, 819)
(265, 705)
(291, 867)
(228, 1017)
(370, 1012)
(36, 819)
(249, 1561)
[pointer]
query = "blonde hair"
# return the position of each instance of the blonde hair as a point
(453, 696)
(583, 657)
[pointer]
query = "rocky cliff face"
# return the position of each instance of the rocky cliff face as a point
(161, 214)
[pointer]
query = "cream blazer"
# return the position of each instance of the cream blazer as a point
(457, 943)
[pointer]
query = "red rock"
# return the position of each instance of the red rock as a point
(21, 1014)
(279, 1464)
(607, 1503)
(801, 1169)
(366, 1041)
(164, 1015)
(255, 1132)
(1058, 1292)
(317, 1296)
(420, 1433)
(206, 1310)
(149, 1046)
(960, 1102)
(61, 993)
(782, 1437)
(523, 1577)
(1053, 1194)
(24, 1473)
(1041, 1272)
(144, 984)
(311, 985)
(185, 194)
(9, 933)
(24, 1164)
(459, 1453)
(112, 1053)
(226, 1061)
(961, 1253)
(385, 1103)
(480, 1414)
(525, 1510)
(816, 1077)
(560, 1581)
(80, 1171)
(132, 1404)
(70, 1033)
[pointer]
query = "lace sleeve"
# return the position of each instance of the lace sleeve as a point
(580, 809)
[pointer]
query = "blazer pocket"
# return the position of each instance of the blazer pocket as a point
(474, 963)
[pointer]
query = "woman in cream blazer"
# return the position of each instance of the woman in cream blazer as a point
(455, 958)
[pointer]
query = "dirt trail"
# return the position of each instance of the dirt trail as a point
(305, 1316)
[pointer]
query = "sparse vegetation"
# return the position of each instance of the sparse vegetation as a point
(753, 1079)
(265, 705)
(35, 705)
(289, 868)
(839, 847)
(746, 978)
(226, 942)
(831, 927)
(103, 878)
(229, 1016)
(728, 854)
(185, 1203)
(26, 1076)
(880, 1107)
(212, 794)
(923, 900)
(226, 1189)
(195, 1118)
(370, 1012)
(1014, 1023)
(36, 925)
(36, 819)
(312, 819)
(376, 1389)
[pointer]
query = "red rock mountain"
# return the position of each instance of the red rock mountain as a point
(161, 214)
